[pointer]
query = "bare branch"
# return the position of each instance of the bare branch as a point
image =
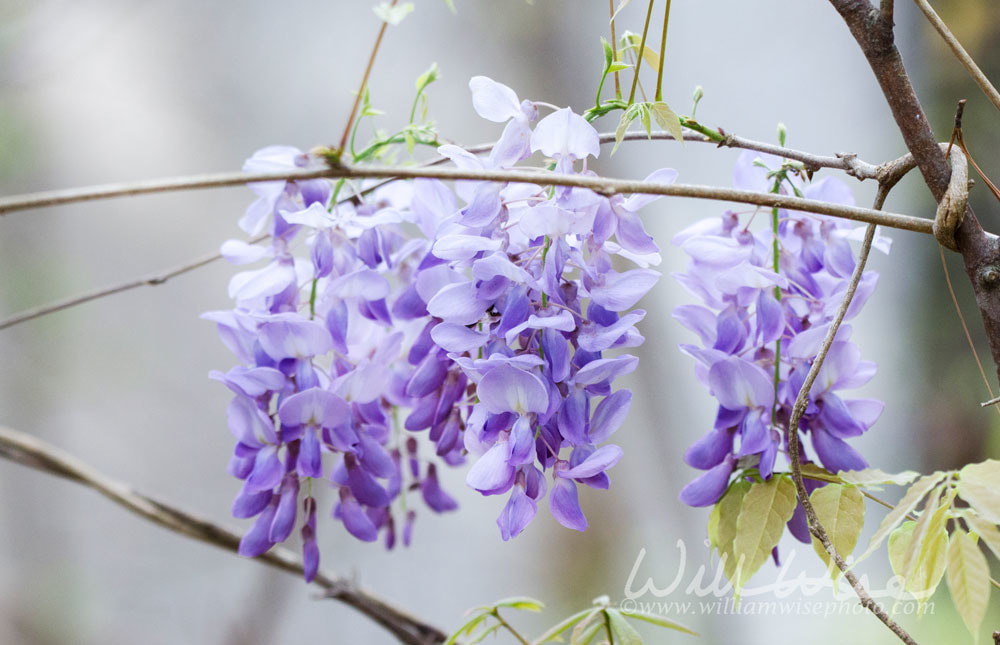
(799, 408)
(885, 10)
(845, 161)
(28, 451)
(963, 56)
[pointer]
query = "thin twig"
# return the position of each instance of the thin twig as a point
(26, 450)
(614, 49)
(963, 56)
(658, 95)
(799, 408)
(638, 54)
(150, 280)
(364, 83)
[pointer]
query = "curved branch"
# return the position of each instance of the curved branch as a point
(26, 450)
(846, 162)
(794, 447)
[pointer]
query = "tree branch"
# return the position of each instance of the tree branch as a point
(847, 162)
(28, 451)
(794, 451)
(963, 56)
(980, 250)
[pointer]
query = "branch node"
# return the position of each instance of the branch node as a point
(951, 208)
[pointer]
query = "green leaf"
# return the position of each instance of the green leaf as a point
(621, 5)
(557, 629)
(609, 54)
(841, 511)
(624, 633)
(968, 580)
(644, 118)
(899, 542)
(618, 66)
(427, 77)
(909, 502)
(584, 625)
(873, 477)
(522, 603)
(661, 622)
(651, 57)
(766, 509)
(451, 5)
(979, 485)
(668, 120)
(729, 511)
(586, 635)
(713, 526)
(486, 632)
(987, 531)
(925, 559)
(393, 15)
(628, 116)
(469, 626)
(817, 472)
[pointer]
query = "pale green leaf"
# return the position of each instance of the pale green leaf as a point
(451, 5)
(609, 54)
(841, 511)
(909, 502)
(427, 77)
(486, 632)
(469, 626)
(651, 57)
(899, 542)
(979, 485)
(587, 635)
(968, 580)
(644, 118)
(766, 509)
(618, 66)
(817, 472)
(627, 117)
(393, 15)
(668, 120)
(926, 554)
(557, 629)
(729, 512)
(661, 622)
(871, 477)
(584, 624)
(521, 602)
(713, 526)
(624, 633)
(621, 5)
(987, 531)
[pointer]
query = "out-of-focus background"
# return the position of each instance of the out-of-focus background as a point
(101, 91)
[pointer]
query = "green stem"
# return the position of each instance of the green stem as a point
(663, 54)
(506, 625)
(312, 300)
(642, 47)
(614, 53)
(777, 296)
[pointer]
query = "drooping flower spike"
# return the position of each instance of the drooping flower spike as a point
(427, 326)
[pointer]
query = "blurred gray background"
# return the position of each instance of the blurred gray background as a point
(97, 91)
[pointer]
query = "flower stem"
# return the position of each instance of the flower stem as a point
(364, 82)
(777, 296)
(663, 54)
(638, 56)
(506, 625)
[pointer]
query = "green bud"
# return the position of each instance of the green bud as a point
(782, 134)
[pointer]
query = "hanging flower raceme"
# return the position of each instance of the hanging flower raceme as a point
(761, 325)
(477, 318)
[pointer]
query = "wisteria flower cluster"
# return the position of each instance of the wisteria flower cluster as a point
(427, 325)
(761, 325)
